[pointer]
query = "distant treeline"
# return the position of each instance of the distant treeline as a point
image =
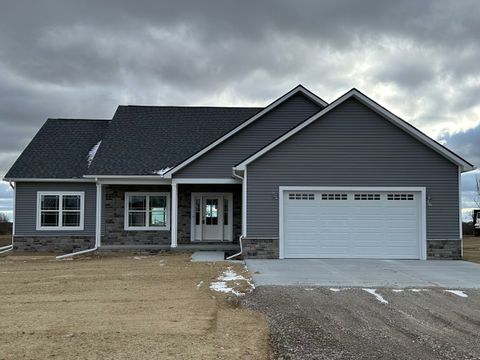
(5, 228)
(467, 228)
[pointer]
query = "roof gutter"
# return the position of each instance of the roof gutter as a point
(96, 177)
(47, 180)
(98, 227)
(241, 236)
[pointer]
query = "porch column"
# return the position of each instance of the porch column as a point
(98, 219)
(173, 228)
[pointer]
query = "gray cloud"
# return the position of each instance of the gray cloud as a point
(466, 144)
(83, 58)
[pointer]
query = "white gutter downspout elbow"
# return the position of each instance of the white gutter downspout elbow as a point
(241, 236)
(98, 227)
(8, 248)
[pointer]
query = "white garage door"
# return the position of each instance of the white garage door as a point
(352, 224)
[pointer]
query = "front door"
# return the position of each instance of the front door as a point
(212, 217)
(212, 222)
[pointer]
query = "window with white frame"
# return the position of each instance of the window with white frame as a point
(147, 211)
(60, 210)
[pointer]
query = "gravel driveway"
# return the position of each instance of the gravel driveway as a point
(323, 323)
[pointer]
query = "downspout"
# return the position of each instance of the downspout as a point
(241, 236)
(8, 248)
(98, 227)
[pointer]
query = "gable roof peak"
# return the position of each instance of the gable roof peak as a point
(298, 89)
(385, 113)
(308, 93)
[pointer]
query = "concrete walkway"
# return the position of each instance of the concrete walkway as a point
(208, 256)
(366, 273)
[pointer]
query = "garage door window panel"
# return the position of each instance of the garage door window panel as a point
(334, 196)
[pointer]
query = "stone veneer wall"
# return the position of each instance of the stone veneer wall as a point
(63, 244)
(113, 217)
(444, 249)
(260, 248)
(185, 203)
(268, 249)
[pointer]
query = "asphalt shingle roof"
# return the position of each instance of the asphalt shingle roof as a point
(59, 149)
(137, 141)
(145, 139)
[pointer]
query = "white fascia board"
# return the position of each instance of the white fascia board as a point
(129, 179)
(206, 181)
(298, 89)
(120, 181)
(159, 177)
(48, 180)
(380, 110)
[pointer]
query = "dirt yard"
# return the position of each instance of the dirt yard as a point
(471, 248)
(322, 323)
(129, 307)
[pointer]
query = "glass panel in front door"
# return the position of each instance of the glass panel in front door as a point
(211, 211)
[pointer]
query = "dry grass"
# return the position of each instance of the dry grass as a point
(5, 240)
(122, 308)
(471, 248)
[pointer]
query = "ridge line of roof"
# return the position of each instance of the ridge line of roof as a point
(194, 106)
(77, 119)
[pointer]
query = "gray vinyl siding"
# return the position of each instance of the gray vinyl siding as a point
(352, 146)
(26, 208)
(218, 162)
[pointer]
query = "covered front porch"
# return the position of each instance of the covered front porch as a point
(177, 216)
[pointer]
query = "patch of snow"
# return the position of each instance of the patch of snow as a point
(200, 284)
(221, 286)
(93, 152)
(140, 257)
(417, 290)
(161, 171)
(229, 275)
(338, 289)
(378, 296)
(397, 290)
(458, 293)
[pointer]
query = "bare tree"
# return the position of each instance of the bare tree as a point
(4, 217)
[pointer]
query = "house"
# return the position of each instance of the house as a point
(300, 178)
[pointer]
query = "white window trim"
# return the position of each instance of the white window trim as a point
(60, 226)
(147, 227)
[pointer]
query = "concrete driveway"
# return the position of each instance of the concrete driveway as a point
(366, 273)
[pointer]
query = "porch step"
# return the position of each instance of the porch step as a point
(208, 247)
(208, 256)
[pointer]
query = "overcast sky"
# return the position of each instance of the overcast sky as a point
(58, 58)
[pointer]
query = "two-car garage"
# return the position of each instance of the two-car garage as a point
(382, 223)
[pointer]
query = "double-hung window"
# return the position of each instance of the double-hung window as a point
(147, 211)
(60, 210)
